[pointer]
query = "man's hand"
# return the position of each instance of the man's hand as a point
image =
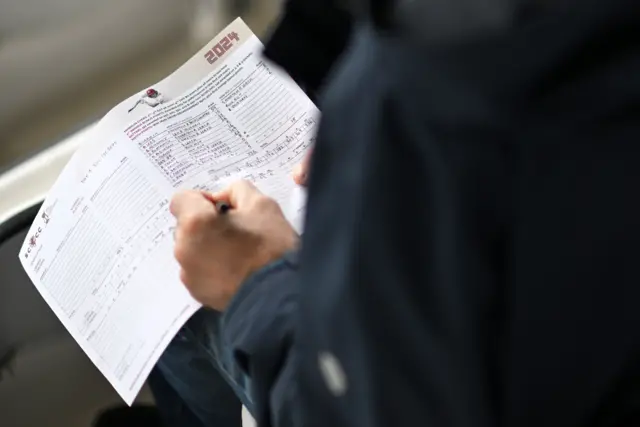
(217, 252)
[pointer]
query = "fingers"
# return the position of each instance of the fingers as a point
(194, 212)
(187, 203)
(238, 194)
(217, 252)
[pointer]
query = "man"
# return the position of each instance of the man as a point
(470, 250)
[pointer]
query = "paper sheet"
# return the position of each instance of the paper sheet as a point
(101, 249)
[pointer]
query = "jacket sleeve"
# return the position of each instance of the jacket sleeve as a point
(309, 38)
(259, 328)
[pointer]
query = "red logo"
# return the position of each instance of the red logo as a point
(33, 241)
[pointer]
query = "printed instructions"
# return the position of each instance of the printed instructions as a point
(101, 249)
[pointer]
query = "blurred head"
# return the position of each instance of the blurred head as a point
(152, 93)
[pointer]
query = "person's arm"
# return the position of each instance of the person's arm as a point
(259, 327)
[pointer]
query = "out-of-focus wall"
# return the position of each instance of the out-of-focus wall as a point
(52, 51)
(23, 16)
(64, 63)
(41, 63)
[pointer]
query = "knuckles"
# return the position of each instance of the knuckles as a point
(264, 204)
(195, 223)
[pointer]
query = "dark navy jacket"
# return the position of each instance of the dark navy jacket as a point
(471, 256)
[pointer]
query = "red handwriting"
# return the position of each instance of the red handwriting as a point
(222, 47)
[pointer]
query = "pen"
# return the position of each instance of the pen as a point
(222, 207)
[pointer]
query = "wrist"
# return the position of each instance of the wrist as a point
(270, 251)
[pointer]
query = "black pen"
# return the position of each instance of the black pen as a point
(222, 207)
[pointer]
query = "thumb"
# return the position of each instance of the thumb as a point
(237, 194)
(187, 203)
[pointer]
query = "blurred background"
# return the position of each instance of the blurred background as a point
(65, 63)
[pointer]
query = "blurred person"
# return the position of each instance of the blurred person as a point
(471, 241)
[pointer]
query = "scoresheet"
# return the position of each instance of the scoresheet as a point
(101, 249)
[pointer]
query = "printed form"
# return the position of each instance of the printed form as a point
(101, 249)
